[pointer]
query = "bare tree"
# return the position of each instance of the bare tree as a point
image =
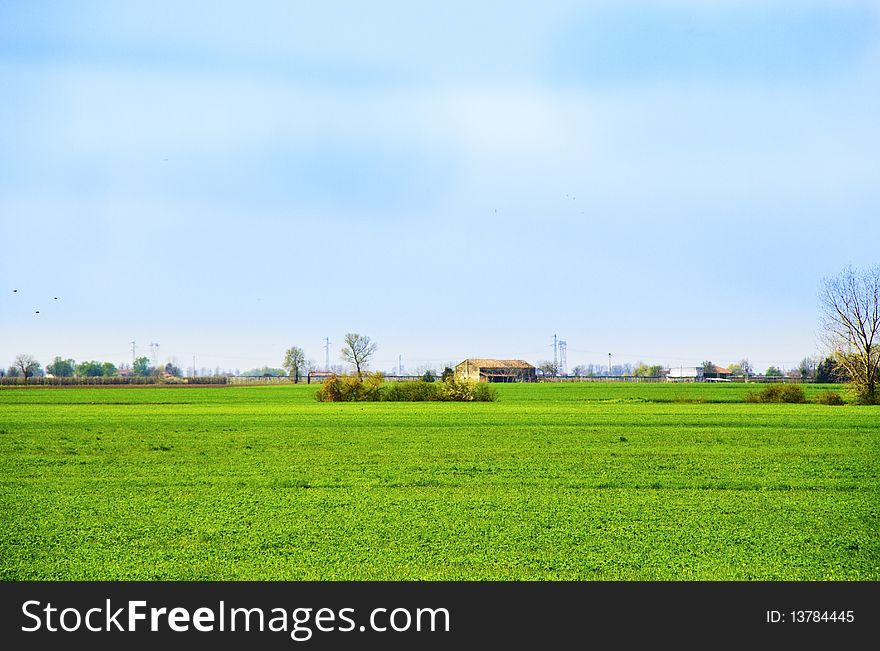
(806, 370)
(358, 350)
(549, 368)
(294, 362)
(27, 365)
(850, 304)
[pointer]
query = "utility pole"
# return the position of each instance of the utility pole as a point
(133, 347)
(327, 354)
(399, 365)
(609, 364)
(194, 366)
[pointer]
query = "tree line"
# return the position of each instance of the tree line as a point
(25, 367)
(810, 369)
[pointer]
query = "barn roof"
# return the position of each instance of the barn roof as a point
(496, 363)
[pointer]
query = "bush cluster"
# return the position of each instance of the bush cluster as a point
(419, 391)
(778, 393)
(830, 398)
(373, 388)
(350, 388)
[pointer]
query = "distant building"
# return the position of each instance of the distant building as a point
(696, 374)
(495, 370)
(720, 373)
(685, 374)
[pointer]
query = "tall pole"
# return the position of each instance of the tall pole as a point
(399, 365)
(327, 354)
(609, 364)
(132, 354)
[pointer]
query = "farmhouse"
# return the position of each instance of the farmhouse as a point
(495, 370)
(720, 374)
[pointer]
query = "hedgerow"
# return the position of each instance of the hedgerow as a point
(373, 388)
(778, 393)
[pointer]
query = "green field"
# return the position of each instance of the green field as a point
(575, 481)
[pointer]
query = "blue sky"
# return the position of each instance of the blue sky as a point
(667, 181)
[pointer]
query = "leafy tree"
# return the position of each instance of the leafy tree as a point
(294, 362)
(174, 371)
(709, 369)
(648, 370)
(89, 369)
(141, 367)
(772, 372)
(62, 367)
(358, 350)
(828, 371)
(850, 318)
(108, 369)
(447, 375)
(28, 366)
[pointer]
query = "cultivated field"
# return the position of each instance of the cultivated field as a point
(574, 481)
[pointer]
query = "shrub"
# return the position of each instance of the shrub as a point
(483, 392)
(466, 391)
(346, 388)
(371, 386)
(830, 398)
(418, 391)
(791, 393)
(767, 394)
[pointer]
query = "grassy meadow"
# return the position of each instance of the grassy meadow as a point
(588, 481)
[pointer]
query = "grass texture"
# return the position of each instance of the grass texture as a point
(586, 481)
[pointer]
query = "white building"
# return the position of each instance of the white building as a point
(685, 374)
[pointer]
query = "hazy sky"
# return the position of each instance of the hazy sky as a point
(668, 181)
